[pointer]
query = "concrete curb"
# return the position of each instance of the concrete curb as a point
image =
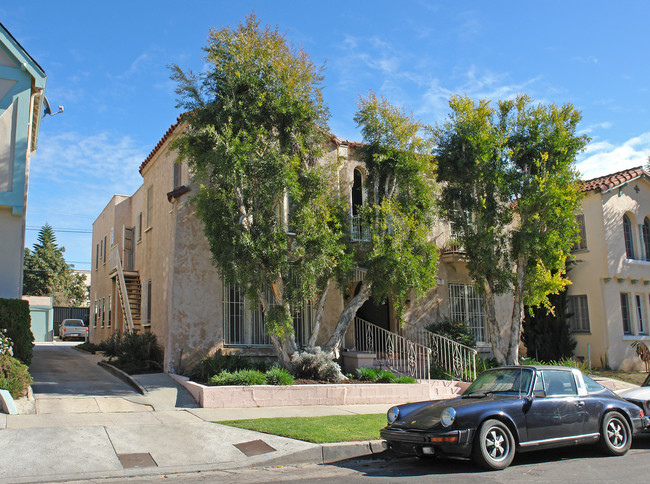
(125, 377)
(325, 454)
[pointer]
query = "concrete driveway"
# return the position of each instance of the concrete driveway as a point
(60, 370)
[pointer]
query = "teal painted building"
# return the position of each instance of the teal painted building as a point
(22, 86)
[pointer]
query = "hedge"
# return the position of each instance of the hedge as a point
(15, 318)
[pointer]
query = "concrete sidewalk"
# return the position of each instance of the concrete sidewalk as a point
(160, 432)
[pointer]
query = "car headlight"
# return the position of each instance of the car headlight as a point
(447, 417)
(392, 414)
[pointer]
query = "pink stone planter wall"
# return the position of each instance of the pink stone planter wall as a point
(331, 394)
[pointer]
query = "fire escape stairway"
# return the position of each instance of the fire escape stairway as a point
(128, 290)
(134, 295)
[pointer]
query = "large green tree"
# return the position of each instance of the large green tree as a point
(46, 273)
(255, 125)
(398, 255)
(511, 192)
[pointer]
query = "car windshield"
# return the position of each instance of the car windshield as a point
(73, 322)
(646, 383)
(501, 380)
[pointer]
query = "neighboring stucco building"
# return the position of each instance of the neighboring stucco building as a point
(175, 291)
(609, 296)
(22, 82)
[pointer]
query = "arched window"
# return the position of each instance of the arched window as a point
(646, 237)
(627, 235)
(357, 191)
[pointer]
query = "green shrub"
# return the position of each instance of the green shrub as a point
(239, 377)
(367, 374)
(133, 352)
(279, 376)
(140, 347)
(88, 347)
(111, 345)
(405, 379)
(15, 318)
(213, 365)
(385, 377)
(454, 330)
(14, 376)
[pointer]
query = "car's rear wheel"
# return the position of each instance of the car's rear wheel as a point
(494, 447)
(615, 434)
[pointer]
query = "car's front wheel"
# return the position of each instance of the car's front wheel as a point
(615, 434)
(494, 447)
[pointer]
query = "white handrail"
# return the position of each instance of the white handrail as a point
(392, 350)
(456, 359)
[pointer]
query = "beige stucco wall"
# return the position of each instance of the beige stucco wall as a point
(603, 272)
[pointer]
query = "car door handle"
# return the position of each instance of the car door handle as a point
(580, 404)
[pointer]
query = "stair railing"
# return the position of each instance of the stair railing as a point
(116, 263)
(393, 351)
(455, 359)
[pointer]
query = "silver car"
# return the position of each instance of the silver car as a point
(639, 396)
(73, 328)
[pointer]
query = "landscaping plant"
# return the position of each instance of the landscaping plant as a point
(14, 376)
(16, 320)
(315, 364)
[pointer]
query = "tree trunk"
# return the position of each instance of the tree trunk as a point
(315, 329)
(517, 313)
(493, 329)
(347, 316)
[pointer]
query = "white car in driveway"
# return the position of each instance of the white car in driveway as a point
(73, 328)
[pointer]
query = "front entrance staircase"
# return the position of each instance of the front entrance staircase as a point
(415, 353)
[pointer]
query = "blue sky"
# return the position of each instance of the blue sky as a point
(106, 64)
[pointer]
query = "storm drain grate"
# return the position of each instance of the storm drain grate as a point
(254, 447)
(131, 461)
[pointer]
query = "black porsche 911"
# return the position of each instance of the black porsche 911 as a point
(513, 409)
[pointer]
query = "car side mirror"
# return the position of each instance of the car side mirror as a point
(539, 394)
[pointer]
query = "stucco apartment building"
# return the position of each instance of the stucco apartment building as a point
(175, 291)
(610, 294)
(22, 85)
(149, 248)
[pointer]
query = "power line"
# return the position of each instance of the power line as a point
(69, 231)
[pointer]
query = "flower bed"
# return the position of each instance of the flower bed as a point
(326, 394)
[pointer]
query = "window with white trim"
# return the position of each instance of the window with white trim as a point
(139, 226)
(582, 243)
(625, 313)
(176, 183)
(628, 237)
(578, 312)
(466, 306)
(108, 322)
(645, 237)
(640, 313)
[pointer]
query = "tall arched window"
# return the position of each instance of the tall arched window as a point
(646, 237)
(627, 235)
(357, 191)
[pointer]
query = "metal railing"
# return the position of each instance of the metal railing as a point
(116, 263)
(393, 351)
(360, 229)
(455, 359)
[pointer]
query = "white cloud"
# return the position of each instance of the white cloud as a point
(603, 157)
(592, 127)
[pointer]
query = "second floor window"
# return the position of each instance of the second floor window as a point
(582, 243)
(627, 235)
(645, 233)
(177, 176)
(149, 220)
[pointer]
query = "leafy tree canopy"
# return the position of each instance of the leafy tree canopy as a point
(255, 127)
(46, 272)
(510, 192)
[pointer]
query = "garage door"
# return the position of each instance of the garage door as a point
(40, 327)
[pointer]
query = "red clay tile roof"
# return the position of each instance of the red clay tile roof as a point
(608, 182)
(160, 143)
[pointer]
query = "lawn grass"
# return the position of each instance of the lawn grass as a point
(634, 377)
(319, 430)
